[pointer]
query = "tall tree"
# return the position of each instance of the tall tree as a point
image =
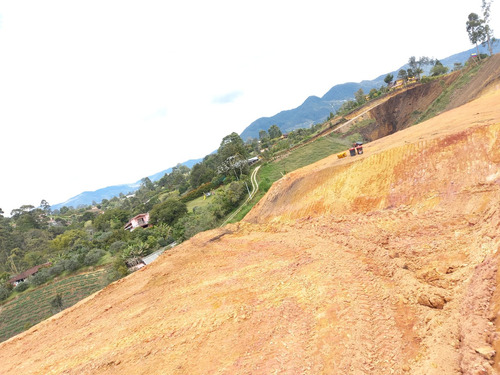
(44, 205)
(402, 74)
(274, 132)
(438, 69)
(488, 31)
(416, 66)
(232, 154)
(475, 29)
(360, 96)
(168, 212)
(388, 79)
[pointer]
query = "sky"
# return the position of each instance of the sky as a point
(99, 93)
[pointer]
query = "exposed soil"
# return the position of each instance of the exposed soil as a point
(402, 110)
(488, 78)
(385, 263)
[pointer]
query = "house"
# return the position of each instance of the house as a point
(23, 276)
(141, 220)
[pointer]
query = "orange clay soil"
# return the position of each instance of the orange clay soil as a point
(385, 263)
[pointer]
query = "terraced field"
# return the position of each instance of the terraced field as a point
(34, 306)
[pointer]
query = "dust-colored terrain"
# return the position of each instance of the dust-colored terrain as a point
(385, 263)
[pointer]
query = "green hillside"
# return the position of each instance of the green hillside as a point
(32, 307)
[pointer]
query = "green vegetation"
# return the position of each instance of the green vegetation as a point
(303, 156)
(443, 100)
(200, 202)
(360, 125)
(35, 305)
(479, 30)
(298, 158)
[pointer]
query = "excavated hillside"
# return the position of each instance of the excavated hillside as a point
(402, 109)
(385, 263)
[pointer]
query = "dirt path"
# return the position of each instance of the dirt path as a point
(255, 188)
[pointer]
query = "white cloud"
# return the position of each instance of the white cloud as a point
(98, 93)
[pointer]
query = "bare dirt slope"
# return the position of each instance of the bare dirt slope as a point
(381, 264)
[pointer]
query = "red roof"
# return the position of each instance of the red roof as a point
(29, 272)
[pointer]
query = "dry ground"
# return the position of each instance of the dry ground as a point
(381, 264)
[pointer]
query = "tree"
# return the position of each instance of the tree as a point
(147, 184)
(45, 206)
(360, 96)
(274, 132)
(438, 69)
(373, 93)
(457, 66)
(487, 32)
(200, 174)
(68, 239)
(168, 212)
(263, 135)
(111, 219)
(475, 29)
(232, 154)
(402, 74)
(388, 79)
(416, 66)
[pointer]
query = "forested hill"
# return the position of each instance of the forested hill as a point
(315, 110)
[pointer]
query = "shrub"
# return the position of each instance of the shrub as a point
(56, 269)
(93, 256)
(197, 222)
(198, 192)
(41, 277)
(21, 287)
(117, 246)
(4, 292)
(57, 303)
(118, 270)
(168, 212)
(265, 184)
(72, 264)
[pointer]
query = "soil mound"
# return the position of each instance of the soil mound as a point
(385, 263)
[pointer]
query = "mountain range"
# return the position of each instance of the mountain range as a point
(87, 197)
(313, 110)
(316, 110)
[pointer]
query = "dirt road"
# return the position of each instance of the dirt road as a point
(255, 188)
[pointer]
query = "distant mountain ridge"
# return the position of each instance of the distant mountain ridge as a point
(87, 197)
(315, 110)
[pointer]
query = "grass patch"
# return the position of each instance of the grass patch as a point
(444, 99)
(308, 154)
(198, 202)
(360, 125)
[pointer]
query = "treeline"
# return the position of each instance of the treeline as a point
(413, 73)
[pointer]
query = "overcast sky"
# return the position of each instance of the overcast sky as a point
(98, 93)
